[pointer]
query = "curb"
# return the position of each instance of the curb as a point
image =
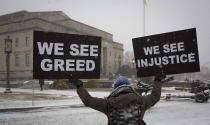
(41, 107)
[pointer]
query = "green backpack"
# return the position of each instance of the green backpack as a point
(125, 115)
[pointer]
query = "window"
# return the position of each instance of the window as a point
(27, 59)
(17, 60)
(16, 42)
(27, 41)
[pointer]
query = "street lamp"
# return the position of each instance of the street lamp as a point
(8, 50)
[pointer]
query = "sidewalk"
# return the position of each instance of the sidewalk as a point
(26, 98)
(60, 98)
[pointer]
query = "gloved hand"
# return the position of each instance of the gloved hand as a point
(76, 82)
(160, 74)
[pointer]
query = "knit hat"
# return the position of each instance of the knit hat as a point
(121, 80)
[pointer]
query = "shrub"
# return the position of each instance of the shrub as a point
(61, 84)
(91, 84)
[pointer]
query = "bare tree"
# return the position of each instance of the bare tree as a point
(128, 58)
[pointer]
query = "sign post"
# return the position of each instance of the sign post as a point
(176, 51)
(59, 55)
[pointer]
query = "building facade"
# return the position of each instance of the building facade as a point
(19, 27)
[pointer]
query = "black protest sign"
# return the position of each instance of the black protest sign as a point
(59, 55)
(176, 51)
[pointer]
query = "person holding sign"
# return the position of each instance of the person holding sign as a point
(124, 105)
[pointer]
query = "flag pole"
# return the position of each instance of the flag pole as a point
(143, 29)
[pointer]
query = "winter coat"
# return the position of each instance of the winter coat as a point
(126, 99)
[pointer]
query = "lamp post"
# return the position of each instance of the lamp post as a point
(8, 50)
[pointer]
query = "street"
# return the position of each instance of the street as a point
(175, 112)
(54, 116)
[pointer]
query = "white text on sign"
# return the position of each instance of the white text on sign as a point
(67, 64)
(167, 59)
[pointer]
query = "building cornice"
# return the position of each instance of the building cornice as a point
(53, 23)
(34, 15)
(40, 28)
(25, 29)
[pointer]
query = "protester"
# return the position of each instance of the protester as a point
(41, 84)
(124, 106)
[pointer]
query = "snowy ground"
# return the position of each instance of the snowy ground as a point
(73, 98)
(185, 112)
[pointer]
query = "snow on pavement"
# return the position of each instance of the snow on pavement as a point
(184, 112)
(164, 113)
(73, 98)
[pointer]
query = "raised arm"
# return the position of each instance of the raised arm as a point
(98, 104)
(154, 97)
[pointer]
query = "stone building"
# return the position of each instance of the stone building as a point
(20, 26)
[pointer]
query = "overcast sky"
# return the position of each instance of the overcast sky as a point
(123, 18)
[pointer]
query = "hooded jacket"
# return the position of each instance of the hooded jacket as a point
(121, 100)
